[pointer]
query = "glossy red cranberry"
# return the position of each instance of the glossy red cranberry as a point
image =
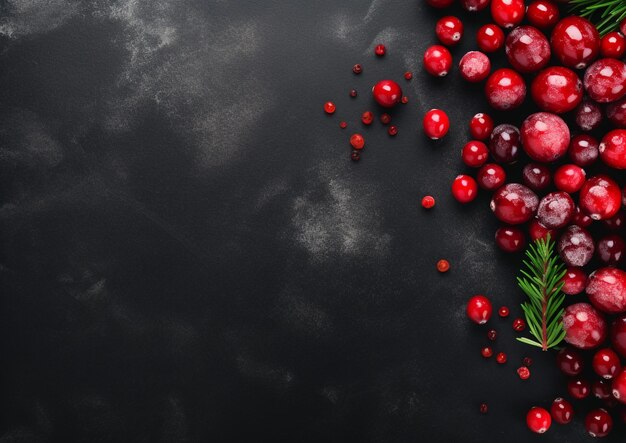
(578, 388)
(428, 201)
(542, 14)
(606, 289)
(619, 386)
(536, 176)
(343, 124)
(449, 30)
(387, 93)
(584, 326)
(474, 66)
(514, 203)
(479, 309)
(504, 143)
(436, 124)
(605, 80)
(380, 50)
(491, 176)
(392, 130)
(569, 178)
(616, 222)
(574, 281)
(464, 189)
(606, 363)
(490, 38)
(557, 89)
(443, 265)
(329, 108)
(613, 149)
(583, 150)
(484, 408)
(523, 372)
(353, 93)
(575, 246)
(598, 423)
(474, 154)
(474, 5)
(503, 312)
(501, 358)
(570, 361)
(481, 126)
(600, 197)
(538, 420)
(385, 118)
(527, 49)
(519, 325)
(492, 334)
(581, 219)
(545, 136)
(613, 45)
(505, 89)
(486, 352)
(618, 336)
(536, 230)
(367, 118)
(408, 75)
(437, 60)
(440, 4)
(510, 239)
(357, 141)
(562, 411)
(575, 42)
(601, 389)
(611, 250)
(588, 115)
(616, 112)
(507, 13)
(555, 210)
(357, 69)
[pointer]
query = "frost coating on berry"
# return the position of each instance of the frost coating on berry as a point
(605, 80)
(585, 327)
(556, 210)
(514, 203)
(575, 246)
(607, 290)
(505, 89)
(588, 115)
(545, 136)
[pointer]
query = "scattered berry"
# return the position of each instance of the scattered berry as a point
(353, 93)
(367, 118)
(380, 50)
(408, 75)
(428, 201)
(437, 60)
(464, 189)
(357, 69)
(519, 325)
(484, 408)
(387, 93)
(492, 334)
(385, 119)
(503, 311)
(501, 358)
(355, 156)
(443, 265)
(523, 372)
(343, 125)
(527, 361)
(449, 30)
(490, 38)
(329, 108)
(436, 124)
(392, 130)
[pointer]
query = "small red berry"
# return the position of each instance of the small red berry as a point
(606, 363)
(484, 408)
(404, 100)
(503, 311)
(343, 125)
(437, 60)
(507, 13)
(380, 50)
(613, 45)
(542, 14)
(385, 119)
(523, 372)
(474, 154)
(527, 361)
(538, 420)
(578, 388)
(481, 126)
(387, 93)
(449, 30)
(443, 265)
(353, 93)
(329, 108)
(569, 361)
(501, 358)
(464, 189)
(367, 118)
(492, 334)
(436, 124)
(357, 69)
(569, 178)
(479, 309)
(428, 201)
(491, 176)
(408, 75)
(598, 423)
(486, 352)
(510, 239)
(519, 325)
(357, 141)
(562, 411)
(574, 281)
(392, 130)
(490, 38)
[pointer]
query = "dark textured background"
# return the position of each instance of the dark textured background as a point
(188, 254)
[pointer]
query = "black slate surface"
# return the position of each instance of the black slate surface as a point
(188, 254)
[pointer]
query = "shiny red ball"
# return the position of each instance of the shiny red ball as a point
(464, 189)
(474, 154)
(557, 89)
(437, 60)
(490, 38)
(436, 124)
(562, 411)
(510, 239)
(491, 176)
(387, 93)
(507, 13)
(449, 30)
(613, 45)
(505, 89)
(479, 309)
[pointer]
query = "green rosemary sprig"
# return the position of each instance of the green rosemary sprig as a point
(605, 14)
(542, 283)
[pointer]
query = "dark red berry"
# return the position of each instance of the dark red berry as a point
(357, 69)
(523, 372)
(610, 250)
(606, 363)
(519, 325)
(555, 210)
(527, 361)
(492, 334)
(514, 203)
(588, 115)
(570, 361)
(598, 423)
(503, 311)
(562, 411)
(491, 176)
(437, 60)
(583, 150)
(481, 126)
(484, 408)
(355, 156)
(385, 118)
(428, 201)
(449, 30)
(353, 93)
(380, 50)
(578, 388)
(542, 14)
(605, 80)
(408, 75)
(510, 239)
(343, 125)
(501, 358)
(392, 130)
(536, 176)
(504, 143)
(574, 281)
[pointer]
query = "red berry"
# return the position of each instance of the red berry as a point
(428, 201)
(404, 100)
(584, 327)
(583, 150)
(436, 124)
(380, 50)
(504, 143)
(501, 358)
(440, 3)
(605, 80)
(474, 66)
(536, 176)
(618, 337)
(555, 210)
(542, 14)
(437, 60)
(474, 5)
(357, 69)
(575, 42)
(527, 361)
(606, 363)
(581, 219)
(484, 408)
(519, 325)
(574, 281)
(575, 246)
(491, 176)
(392, 130)
(606, 289)
(600, 197)
(527, 49)
(514, 203)
(486, 352)
(474, 154)
(492, 334)
(613, 45)
(538, 420)
(353, 93)
(602, 389)
(616, 113)
(385, 118)
(490, 38)
(464, 189)
(479, 309)
(523, 372)
(507, 13)
(443, 265)
(343, 125)
(503, 311)
(570, 361)
(598, 423)
(449, 30)
(610, 249)
(480, 126)
(355, 156)
(578, 388)
(505, 89)
(357, 141)
(537, 230)
(569, 178)
(562, 411)
(613, 149)
(408, 75)
(545, 136)
(619, 386)
(557, 89)
(387, 93)
(367, 118)
(329, 108)
(588, 115)
(510, 239)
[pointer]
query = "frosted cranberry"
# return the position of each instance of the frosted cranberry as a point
(611, 249)
(504, 143)
(523, 372)
(619, 386)
(527, 361)
(357, 141)
(484, 408)
(606, 289)
(574, 281)
(600, 197)
(507, 13)
(575, 246)
(557, 89)
(536, 176)
(555, 210)
(505, 89)
(613, 45)
(353, 93)
(538, 420)
(537, 231)
(598, 423)
(385, 118)
(464, 188)
(490, 38)
(514, 203)
(329, 108)
(606, 363)
(562, 411)
(449, 30)
(613, 149)
(408, 75)
(380, 50)
(443, 265)
(575, 42)
(474, 5)
(491, 176)
(578, 388)
(588, 115)
(569, 178)
(437, 60)
(570, 361)
(474, 154)
(387, 93)
(545, 136)
(479, 309)
(510, 239)
(486, 352)
(481, 126)
(440, 4)
(618, 337)
(436, 124)
(367, 118)
(527, 49)
(474, 66)
(616, 222)
(581, 219)
(542, 14)
(583, 150)
(585, 327)
(601, 389)
(605, 80)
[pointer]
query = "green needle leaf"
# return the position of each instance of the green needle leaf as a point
(605, 15)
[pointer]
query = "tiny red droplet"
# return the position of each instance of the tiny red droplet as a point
(392, 130)
(385, 119)
(523, 372)
(527, 361)
(357, 69)
(380, 50)
(353, 93)
(343, 125)
(329, 108)
(492, 334)
(355, 156)
(519, 325)
(503, 312)
(428, 201)
(404, 100)
(443, 265)
(357, 141)
(486, 352)
(501, 358)
(367, 118)
(484, 408)
(408, 75)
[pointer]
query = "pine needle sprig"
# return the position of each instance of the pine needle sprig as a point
(542, 281)
(605, 14)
